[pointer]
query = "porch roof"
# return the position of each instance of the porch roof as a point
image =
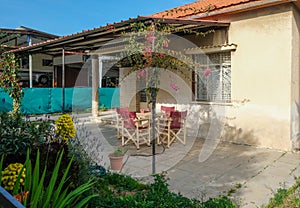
(89, 40)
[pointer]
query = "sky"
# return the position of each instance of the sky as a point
(63, 17)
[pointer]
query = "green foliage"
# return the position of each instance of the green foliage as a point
(65, 127)
(57, 192)
(103, 108)
(286, 198)
(116, 190)
(119, 152)
(17, 135)
(9, 79)
(81, 162)
(220, 202)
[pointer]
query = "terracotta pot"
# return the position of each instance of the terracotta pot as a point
(116, 162)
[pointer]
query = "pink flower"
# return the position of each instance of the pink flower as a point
(173, 85)
(207, 72)
(141, 73)
(166, 44)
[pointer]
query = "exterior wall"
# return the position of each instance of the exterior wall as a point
(295, 94)
(128, 89)
(37, 62)
(261, 77)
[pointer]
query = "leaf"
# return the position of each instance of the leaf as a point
(17, 183)
(1, 163)
(49, 190)
(38, 194)
(76, 193)
(57, 192)
(85, 200)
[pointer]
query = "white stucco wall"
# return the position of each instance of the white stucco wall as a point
(261, 75)
(295, 76)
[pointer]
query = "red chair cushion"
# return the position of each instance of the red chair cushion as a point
(167, 110)
(177, 118)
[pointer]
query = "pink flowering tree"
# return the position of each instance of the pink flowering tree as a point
(147, 53)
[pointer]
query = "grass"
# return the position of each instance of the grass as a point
(286, 198)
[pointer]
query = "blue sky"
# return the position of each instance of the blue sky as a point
(63, 17)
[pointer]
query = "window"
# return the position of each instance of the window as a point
(213, 77)
(47, 62)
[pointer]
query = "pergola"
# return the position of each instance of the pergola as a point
(102, 37)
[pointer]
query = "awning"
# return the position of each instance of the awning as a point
(89, 40)
(211, 49)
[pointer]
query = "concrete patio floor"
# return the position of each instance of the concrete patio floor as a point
(249, 175)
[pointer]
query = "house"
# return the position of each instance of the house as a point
(251, 60)
(42, 72)
(264, 67)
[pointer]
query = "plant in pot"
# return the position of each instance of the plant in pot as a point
(116, 159)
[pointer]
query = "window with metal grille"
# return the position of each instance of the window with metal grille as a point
(213, 77)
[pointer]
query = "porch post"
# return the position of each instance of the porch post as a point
(30, 70)
(63, 80)
(95, 85)
(100, 70)
(30, 61)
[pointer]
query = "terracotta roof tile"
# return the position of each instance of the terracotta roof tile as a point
(199, 7)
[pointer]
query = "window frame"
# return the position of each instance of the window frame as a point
(219, 69)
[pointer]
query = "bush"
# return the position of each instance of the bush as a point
(17, 135)
(117, 190)
(65, 127)
(55, 193)
(10, 175)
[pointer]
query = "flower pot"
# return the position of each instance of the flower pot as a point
(116, 162)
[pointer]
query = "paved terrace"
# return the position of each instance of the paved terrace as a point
(250, 174)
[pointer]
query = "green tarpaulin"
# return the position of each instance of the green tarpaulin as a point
(49, 100)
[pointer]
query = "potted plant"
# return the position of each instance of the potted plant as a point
(116, 159)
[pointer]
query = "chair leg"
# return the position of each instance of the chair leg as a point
(137, 144)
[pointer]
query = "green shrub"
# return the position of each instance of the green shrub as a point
(220, 202)
(56, 193)
(17, 135)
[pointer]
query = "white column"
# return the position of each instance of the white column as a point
(30, 70)
(30, 63)
(63, 80)
(95, 85)
(100, 71)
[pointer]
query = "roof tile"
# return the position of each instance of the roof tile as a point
(199, 7)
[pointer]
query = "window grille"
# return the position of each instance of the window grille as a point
(216, 85)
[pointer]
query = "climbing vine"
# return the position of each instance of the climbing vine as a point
(9, 79)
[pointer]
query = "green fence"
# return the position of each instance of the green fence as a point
(49, 100)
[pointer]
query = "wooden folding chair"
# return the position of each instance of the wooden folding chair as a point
(119, 123)
(167, 110)
(134, 130)
(169, 129)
